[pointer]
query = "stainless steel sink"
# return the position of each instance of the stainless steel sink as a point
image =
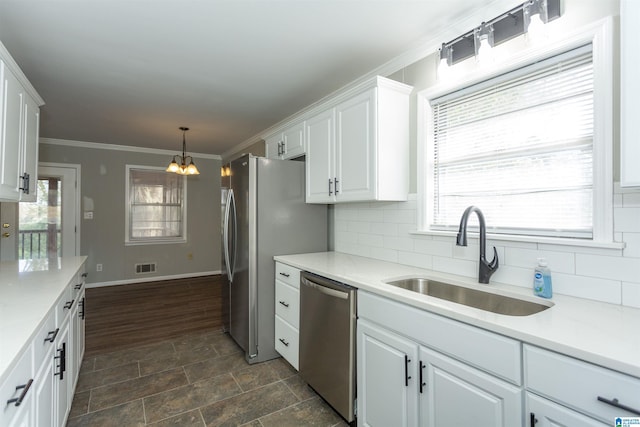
(470, 297)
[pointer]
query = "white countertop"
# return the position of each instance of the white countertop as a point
(601, 333)
(28, 291)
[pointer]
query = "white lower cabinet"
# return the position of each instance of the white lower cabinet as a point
(453, 393)
(541, 412)
(287, 319)
(404, 380)
(39, 390)
(387, 375)
(591, 391)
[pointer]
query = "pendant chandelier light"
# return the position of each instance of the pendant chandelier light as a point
(179, 163)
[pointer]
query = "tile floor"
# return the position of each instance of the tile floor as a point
(195, 380)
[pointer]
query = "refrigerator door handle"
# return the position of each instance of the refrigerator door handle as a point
(235, 233)
(225, 234)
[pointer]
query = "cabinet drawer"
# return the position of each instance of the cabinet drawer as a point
(549, 414)
(288, 303)
(287, 343)
(578, 384)
(289, 275)
(77, 285)
(486, 350)
(63, 306)
(44, 339)
(14, 386)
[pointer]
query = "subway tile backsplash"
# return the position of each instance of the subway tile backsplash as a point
(382, 230)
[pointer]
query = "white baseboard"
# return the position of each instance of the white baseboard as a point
(151, 279)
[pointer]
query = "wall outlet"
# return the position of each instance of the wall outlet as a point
(98, 267)
(88, 215)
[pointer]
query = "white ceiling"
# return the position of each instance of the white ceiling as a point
(132, 72)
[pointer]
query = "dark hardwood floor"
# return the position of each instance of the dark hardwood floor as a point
(125, 316)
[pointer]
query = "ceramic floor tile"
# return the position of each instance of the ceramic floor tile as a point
(300, 388)
(254, 423)
(93, 379)
(122, 357)
(181, 358)
(224, 344)
(248, 406)
(80, 405)
(88, 365)
(192, 396)
(195, 340)
(255, 376)
(282, 368)
(129, 414)
(216, 366)
(313, 412)
(115, 394)
(188, 419)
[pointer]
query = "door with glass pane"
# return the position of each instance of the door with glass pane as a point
(47, 226)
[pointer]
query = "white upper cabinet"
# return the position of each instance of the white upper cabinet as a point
(12, 101)
(287, 143)
(358, 145)
(19, 132)
(629, 94)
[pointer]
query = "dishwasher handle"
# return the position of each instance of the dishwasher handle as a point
(324, 287)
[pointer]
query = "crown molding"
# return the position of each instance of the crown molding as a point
(115, 147)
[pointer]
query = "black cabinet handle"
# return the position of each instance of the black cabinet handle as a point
(69, 304)
(51, 336)
(615, 402)
(78, 286)
(62, 355)
(422, 383)
(282, 340)
(25, 183)
(284, 303)
(284, 274)
(81, 313)
(335, 185)
(532, 419)
(17, 401)
(84, 275)
(406, 370)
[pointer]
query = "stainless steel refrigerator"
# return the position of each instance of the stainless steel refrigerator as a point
(263, 214)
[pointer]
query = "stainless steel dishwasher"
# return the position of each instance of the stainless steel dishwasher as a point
(327, 340)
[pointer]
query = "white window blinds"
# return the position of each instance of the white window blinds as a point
(520, 147)
(156, 205)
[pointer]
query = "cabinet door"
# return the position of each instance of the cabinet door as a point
(293, 138)
(457, 394)
(61, 364)
(544, 413)
(10, 133)
(45, 392)
(387, 378)
(30, 149)
(273, 146)
(356, 148)
(319, 162)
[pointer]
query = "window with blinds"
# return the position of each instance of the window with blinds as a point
(520, 147)
(156, 205)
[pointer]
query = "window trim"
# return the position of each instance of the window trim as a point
(600, 36)
(156, 241)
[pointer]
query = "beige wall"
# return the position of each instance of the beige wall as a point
(102, 238)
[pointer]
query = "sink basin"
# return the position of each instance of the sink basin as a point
(470, 297)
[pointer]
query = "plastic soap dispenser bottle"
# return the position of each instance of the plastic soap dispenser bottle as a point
(542, 279)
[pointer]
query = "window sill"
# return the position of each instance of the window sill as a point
(531, 239)
(153, 242)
